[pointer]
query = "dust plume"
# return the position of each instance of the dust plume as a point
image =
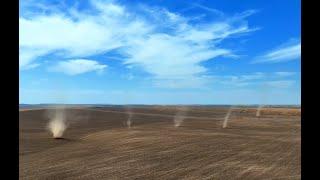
(129, 120)
(226, 118)
(57, 121)
(129, 112)
(258, 110)
(180, 116)
(264, 98)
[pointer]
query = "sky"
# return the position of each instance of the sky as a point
(159, 52)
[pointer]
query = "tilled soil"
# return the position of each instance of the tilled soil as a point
(99, 145)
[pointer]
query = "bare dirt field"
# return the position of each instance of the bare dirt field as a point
(98, 144)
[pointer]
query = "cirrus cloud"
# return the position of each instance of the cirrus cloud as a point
(164, 44)
(78, 66)
(287, 52)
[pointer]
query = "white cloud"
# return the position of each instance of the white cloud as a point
(79, 35)
(163, 43)
(212, 10)
(239, 80)
(254, 76)
(177, 83)
(280, 83)
(31, 66)
(285, 74)
(44, 34)
(27, 55)
(282, 54)
(258, 79)
(78, 66)
(169, 57)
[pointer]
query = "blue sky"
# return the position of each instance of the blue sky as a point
(160, 52)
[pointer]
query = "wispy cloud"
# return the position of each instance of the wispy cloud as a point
(282, 54)
(257, 79)
(212, 10)
(30, 66)
(163, 43)
(176, 83)
(285, 74)
(239, 80)
(280, 83)
(78, 66)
